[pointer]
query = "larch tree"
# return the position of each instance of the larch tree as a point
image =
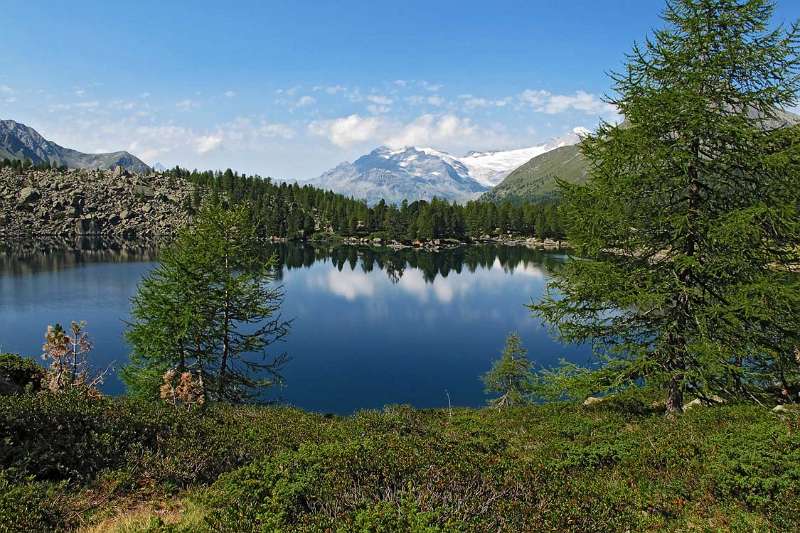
(510, 376)
(210, 308)
(688, 226)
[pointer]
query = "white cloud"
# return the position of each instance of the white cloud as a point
(207, 143)
(552, 104)
(379, 99)
(347, 131)
(430, 129)
(187, 104)
(305, 101)
(433, 87)
(229, 94)
(444, 131)
(5, 89)
(435, 100)
(472, 102)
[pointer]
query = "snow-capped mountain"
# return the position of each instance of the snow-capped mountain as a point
(411, 173)
(490, 168)
(418, 173)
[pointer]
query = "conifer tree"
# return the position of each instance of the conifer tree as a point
(689, 223)
(209, 308)
(510, 376)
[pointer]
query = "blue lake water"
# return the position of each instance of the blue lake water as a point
(370, 328)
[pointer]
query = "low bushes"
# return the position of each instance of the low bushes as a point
(19, 374)
(552, 467)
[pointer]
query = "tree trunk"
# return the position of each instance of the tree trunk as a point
(225, 340)
(675, 396)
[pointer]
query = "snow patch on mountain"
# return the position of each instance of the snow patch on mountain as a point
(490, 168)
(422, 173)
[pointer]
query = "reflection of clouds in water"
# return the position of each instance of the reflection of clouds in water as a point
(349, 284)
(355, 284)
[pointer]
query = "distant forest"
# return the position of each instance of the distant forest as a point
(293, 211)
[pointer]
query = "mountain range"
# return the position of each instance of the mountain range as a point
(421, 173)
(21, 142)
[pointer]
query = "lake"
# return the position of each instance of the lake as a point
(371, 327)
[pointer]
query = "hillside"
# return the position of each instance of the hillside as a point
(535, 180)
(113, 464)
(23, 143)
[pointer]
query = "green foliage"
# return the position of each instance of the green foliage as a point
(510, 376)
(688, 226)
(19, 374)
(614, 467)
(29, 506)
(208, 309)
(296, 213)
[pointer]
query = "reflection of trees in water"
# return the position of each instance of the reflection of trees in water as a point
(432, 264)
(48, 254)
(43, 255)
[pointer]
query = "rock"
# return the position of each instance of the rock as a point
(28, 195)
(780, 409)
(691, 405)
(592, 400)
(697, 402)
(143, 190)
(118, 172)
(125, 214)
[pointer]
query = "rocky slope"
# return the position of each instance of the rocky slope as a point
(21, 142)
(90, 202)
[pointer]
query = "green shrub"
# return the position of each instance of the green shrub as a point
(19, 374)
(30, 506)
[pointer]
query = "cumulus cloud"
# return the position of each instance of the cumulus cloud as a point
(445, 131)
(430, 129)
(552, 104)
(347, 131)
(207, 143)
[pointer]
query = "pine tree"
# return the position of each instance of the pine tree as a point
(510, 376)
(689, 222)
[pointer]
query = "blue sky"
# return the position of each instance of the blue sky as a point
(291, 88)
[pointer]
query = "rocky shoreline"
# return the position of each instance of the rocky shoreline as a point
(110, 203)
(436, 245)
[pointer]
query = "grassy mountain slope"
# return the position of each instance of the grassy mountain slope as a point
(535, 180)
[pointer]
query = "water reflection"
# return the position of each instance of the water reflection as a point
(371, 326)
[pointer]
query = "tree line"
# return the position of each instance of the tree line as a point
(292, 211)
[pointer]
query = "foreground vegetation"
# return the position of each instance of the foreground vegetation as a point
(70, 462)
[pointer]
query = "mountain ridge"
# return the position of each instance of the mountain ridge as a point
(21, 142)
(421, 173)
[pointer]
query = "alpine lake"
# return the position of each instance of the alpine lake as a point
(370, 326)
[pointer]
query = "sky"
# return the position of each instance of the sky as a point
(289, 89)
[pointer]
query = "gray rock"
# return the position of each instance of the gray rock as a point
(28, 195)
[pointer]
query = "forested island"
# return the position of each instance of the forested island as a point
(683, 281)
